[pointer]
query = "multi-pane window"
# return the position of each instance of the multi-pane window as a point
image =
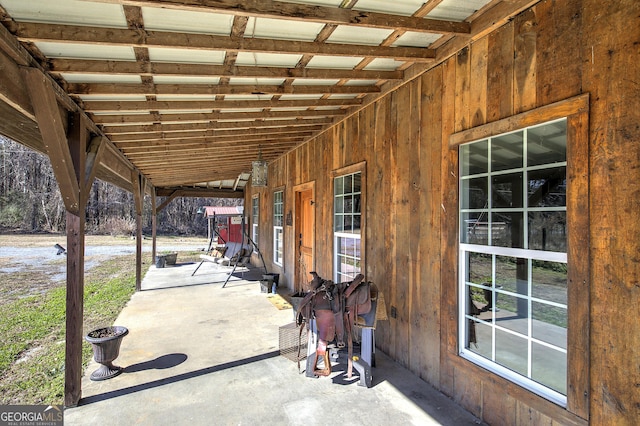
(346, 226)
(255, 218)
(278, 221)
(513, 256)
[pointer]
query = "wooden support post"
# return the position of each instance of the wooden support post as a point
(68, 160)
(74, 161)
(154, 224)
(52, 127)
(138, 194)
(74, 308)
(76, 147)
(95, 152)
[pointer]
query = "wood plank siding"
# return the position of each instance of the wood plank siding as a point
(571, 50)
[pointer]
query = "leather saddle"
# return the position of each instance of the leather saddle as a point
(335, 307)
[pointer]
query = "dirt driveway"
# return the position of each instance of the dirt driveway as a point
(33, 261)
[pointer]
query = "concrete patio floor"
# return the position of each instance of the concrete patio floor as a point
(201, 354)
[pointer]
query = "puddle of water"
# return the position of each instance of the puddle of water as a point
(11, 269)
(23, 258)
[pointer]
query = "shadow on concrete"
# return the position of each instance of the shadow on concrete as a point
(174, 379)
(181, 275)
(161, 363)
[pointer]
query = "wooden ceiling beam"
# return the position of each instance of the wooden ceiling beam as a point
(196, 134)
(199, 179)
(240, 118)
(173, 181)
(122, 106)
(207, 169)
(111, 162)
(217, 152)
(199, 192)
(268, 147)
(213, 89)
(206, 172)
(189, 150)
(88, 66)
(220, 128)
(307, 13)
(210, 153)
(219, 147)
(37, 32)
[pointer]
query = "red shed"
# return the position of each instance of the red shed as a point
(228, 222)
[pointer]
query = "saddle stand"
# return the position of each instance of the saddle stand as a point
(330, 311)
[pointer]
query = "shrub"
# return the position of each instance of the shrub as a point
(118, 226)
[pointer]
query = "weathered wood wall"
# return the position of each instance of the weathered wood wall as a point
(554, 51)
(611, 73)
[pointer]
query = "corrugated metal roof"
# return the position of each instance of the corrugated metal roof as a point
(224, 211)
(191, 92)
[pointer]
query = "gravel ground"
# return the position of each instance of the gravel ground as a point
(19, 253)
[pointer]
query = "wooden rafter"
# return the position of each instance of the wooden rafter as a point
(197, 134)
(229, 119)
(214, 89)
(178, 152)
(225, 126)
(84, 66)
(199, 192)
(122, 106)
(203, 147)
(30, 32)
(308, 13)
(238, 159)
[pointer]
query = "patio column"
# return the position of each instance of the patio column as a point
(138, 196)
(74, 162)
(154, 225)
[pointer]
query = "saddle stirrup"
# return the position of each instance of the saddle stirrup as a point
(327, 364)
(321, 351)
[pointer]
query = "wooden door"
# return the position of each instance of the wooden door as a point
(305, 235)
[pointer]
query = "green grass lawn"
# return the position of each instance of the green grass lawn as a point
(32, 327)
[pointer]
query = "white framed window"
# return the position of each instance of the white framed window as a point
(278, 221)
(255, 219)
(513, 288)
(347, 224)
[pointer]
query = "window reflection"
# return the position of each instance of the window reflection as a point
(512, 351)
(476, 190)
(547, 143)
(547, 187)
(506, 191)
(474, 158)
(507, 229)
(548, 231)
(506, 152)
(549, 367)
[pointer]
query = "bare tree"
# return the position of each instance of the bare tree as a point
(30, 201)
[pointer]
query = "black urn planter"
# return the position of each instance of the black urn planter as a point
(106, 347)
